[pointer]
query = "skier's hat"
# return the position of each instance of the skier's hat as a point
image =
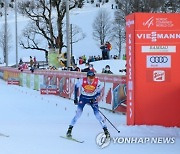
(90, 74)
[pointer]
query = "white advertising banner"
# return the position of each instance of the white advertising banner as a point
(158, 49)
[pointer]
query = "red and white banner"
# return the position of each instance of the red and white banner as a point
(61, 83)
(153, 74)
(13, 82)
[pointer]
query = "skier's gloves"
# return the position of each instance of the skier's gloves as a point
(75, 101)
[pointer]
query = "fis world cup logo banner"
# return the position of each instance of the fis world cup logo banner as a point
(157, 29)
(158, 22)
(149, 22)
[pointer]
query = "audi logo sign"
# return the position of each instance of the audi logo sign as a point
(158, 61)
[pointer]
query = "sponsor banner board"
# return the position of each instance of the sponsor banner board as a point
(153, 79)
(158, 49)
(158, 61)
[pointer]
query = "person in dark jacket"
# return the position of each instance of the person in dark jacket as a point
(76, 68)
(107, 70)
(104, 51)
(88, 68)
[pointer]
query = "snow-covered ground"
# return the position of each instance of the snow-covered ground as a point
(34, 123)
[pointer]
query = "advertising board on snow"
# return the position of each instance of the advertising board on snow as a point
(113, 95)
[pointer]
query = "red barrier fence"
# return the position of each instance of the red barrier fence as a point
(61, 83)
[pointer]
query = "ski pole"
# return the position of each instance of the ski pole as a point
(109, 121)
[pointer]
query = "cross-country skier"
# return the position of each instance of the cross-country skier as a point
(90, 88)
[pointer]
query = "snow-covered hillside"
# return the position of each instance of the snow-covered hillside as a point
(81, 17)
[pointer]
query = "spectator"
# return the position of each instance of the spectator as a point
(35, 62)
(84, 58)
(123, 70)
(76, 68)
(23, 66)
(80, 60)
(97, 4)
(73, 60)
(124, 56)
(37, 65)
(107, 70)
(93, 58)
(86, 69)
(108, 48)
(20, 64)
(20, 67)
(89, 67)
(112, 6)
(104, 51)
(115, 57)
(52, 68)
(99, 57)
(20, 61)
(31, 62)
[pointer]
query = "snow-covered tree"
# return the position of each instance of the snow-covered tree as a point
(132, 6)
(102, 27)
(3, 42)
(46, 24)
(118, 31)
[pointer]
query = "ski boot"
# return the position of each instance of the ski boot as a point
(106, 132)
(68, 134)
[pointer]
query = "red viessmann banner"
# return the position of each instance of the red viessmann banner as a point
(153, 74)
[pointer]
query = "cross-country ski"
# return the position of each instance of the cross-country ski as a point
(72, 139)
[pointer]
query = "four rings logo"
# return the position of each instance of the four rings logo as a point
(158, 61)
